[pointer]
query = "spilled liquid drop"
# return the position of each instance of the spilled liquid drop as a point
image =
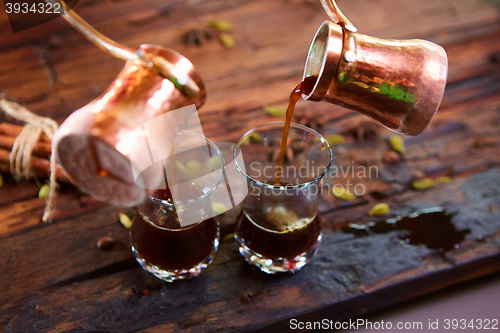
(431, 227)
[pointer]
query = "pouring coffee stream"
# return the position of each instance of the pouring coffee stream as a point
(305, 87)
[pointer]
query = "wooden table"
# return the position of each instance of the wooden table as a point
(53, 278)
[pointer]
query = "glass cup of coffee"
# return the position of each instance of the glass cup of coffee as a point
(174, 234)
(279, 229)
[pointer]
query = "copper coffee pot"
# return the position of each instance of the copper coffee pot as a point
(104, 146)
(399, 83)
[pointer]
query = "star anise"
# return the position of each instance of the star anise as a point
(195, 35)
(308, 118)
(362, 128)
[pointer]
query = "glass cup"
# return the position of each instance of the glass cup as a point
(279, 229)
(174, 234)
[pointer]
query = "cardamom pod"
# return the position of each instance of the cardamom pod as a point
(335, 139)
(228, 237)
(379, 209)
(253, 137)
(44, 191)
(423, 184)
(221, 25)
(125, 220)
(397, 144)
(193, 169)
(245, 141)
(275, 110)
(219, 208)
(193, 165)
(212, 163)
(343, 193)
(256, 137)
(227, 40)
(180, 168)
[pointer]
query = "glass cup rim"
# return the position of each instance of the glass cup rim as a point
(292, 125)
(223, 163)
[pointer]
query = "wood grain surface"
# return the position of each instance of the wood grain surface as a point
(53, 277)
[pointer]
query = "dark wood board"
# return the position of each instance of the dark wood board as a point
(55, 279)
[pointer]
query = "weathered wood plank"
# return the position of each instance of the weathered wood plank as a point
(230, 295)
(48, 254)
(80, 248)
(24, 209)
(446, 142)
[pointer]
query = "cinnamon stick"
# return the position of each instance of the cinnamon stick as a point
(13, 130)
(39, 167)
(42, 148)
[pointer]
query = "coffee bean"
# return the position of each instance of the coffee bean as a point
(392, 157)
(105, 243)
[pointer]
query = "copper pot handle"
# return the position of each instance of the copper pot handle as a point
(335, 14)
(166, 69)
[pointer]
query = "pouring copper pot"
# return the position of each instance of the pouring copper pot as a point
(399, 83)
